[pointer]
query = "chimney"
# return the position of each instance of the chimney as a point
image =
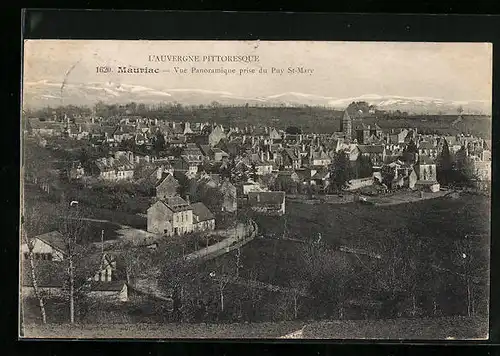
(268, 157)
(187, 199)
(111, 160)
(262, 155)
(258, 198)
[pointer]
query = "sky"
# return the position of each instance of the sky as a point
(449, 71)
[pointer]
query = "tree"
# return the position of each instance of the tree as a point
(293, 130)
(464, 171)
(409, 153)
(444, 170)
(73, 229)
(358, 108)
(388, 173)
(340, 171)
(29, 224)
(159, 144)
(364, 167)
(327, 277)
(267, 180)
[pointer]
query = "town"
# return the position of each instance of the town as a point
(206, 222)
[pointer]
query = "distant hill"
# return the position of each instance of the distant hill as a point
(46, 93)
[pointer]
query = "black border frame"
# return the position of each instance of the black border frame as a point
(156, 25)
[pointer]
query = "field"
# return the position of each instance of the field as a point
(427, 232)
(364, 226)
(457, 328)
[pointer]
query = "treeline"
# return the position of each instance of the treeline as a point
(308, 118)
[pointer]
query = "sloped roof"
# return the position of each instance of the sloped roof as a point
(175, 202)
(290, 153)
(55, 239)
(320, 174)
(322, 155)
(266, 198)
(169, 179)
(425, 145)
(371, 148)
(112, 286)
(202, 212)
(424, 159)
(206, 150)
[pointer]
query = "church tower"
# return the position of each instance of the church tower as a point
(346, 125)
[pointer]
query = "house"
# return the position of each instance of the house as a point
(203, 219)
(218, 155)
(321, 178)
(50, 246)
(167, 187)
(376, 153)
(192, 152)
(114, 291)
(105, 269)
(230, 201)
(186, 165)
(274, 135)
(290, 159)
(114, 168)
(366, 133)
(319, 157)
(397, 137)
(76, 171)
(250, 186)
(269, 203)
(170, 216)
(425, 168)
(216, 135)
(427, 148)
(44, 128)
(154, 173)
(482, 169)
(263, 167)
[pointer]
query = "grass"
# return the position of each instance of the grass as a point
(457, 328)
(363, 226)
(439, 223)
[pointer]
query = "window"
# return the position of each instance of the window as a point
(26, 255)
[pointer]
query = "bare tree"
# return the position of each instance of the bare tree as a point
(30, 244)
(73, 229)
(299, 287)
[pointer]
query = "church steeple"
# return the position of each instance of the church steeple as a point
(346, 125)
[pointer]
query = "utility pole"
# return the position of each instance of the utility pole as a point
(102, 242)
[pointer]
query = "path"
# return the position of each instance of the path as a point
(224, 246)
